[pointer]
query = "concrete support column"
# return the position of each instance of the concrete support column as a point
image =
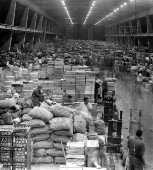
(24, 21)
(131, 27)
(139, 30)
(11, 14)
(149, 26)
(7, 44)
(45, 29)
(139, 43)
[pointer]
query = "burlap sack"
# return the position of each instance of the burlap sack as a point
(54, 152)
(37, 123)
(37, 131)
(41, 137)
(43, 144)
(41, 113)
(59, 160)
(59, 146)
(61, 123)
(59, 139)
(63, 133)
(43, 160)
(62, 111)
(40, 153)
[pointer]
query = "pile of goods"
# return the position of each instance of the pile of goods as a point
(8, 111)
(75, 156)
(52, 127)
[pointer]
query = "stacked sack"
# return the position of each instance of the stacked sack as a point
(39, 118)
(62, 131)
(8, 111)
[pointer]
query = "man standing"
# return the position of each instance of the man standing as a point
(37, 96)
(136, 152)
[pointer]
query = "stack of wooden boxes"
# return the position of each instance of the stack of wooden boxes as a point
(69, 83)
(80, 85)
(75, 156)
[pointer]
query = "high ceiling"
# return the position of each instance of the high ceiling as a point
(79, 8)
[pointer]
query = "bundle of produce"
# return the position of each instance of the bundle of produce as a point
(75, 154)
(62, 132)
(8, 111)
(100, 127)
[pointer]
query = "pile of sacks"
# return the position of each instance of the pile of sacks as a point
(40, 133)
(8, 111)
(51, 128)
(62, 131)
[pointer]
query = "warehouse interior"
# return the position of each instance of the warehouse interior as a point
(76, 84)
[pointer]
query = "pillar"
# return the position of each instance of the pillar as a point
(149, 26)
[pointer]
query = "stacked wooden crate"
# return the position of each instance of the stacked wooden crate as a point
(57, 91)
(75, 155)
(9, 79)
(69, 83)
(80, 85)
(43, 72)
(50, 69)
(90, 86)
(59, 68)
(53, 89)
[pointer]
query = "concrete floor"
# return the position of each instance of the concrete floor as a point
(130, 95)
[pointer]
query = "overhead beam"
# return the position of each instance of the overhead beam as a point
(139, 15)
(36, 8)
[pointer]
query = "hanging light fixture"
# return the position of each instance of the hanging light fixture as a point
(89, 12)
(66, 10)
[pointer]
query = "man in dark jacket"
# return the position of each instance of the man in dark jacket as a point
(136, 152)
(37, 96)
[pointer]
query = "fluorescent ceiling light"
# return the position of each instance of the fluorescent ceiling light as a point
(66, 10)
(121, 6)
(114, 11)
(125, 3)
(89, 12)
